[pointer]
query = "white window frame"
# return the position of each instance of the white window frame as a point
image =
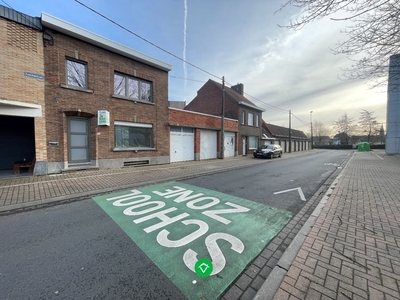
(257, 121)
(120, 147)
(253, 142)
(124, 92)
(243, 117)
(250, 119)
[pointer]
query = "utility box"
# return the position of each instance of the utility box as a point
(364, 146)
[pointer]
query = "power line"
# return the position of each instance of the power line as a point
(22, 15)
(270, 105)
(147, 41)
(170, 53)
(187, 79)
(308, 123)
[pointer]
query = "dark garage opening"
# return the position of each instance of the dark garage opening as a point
(17, 140)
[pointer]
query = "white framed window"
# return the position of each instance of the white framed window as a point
(257, 121)
(133, 135)
(133, 88)
(76, 73)
(243, 117)
(250, 119)
(253, 142)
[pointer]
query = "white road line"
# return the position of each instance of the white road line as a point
(302, 197)
(377, 155)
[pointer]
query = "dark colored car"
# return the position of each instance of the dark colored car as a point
(268, 151)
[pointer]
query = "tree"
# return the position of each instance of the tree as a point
(320, 131)
(373, 32)
(368, 124)
(345, 127)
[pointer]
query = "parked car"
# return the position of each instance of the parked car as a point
(269, 151)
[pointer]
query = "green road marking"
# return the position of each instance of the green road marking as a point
(203, 267)
(177, 224)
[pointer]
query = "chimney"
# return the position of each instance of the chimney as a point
(239, 88)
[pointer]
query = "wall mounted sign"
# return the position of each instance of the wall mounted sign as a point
(33, 75)
(103, 118)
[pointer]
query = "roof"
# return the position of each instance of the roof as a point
(97, 40)
(241, 100)
(18, 17)
(177, 104)
(280, 131)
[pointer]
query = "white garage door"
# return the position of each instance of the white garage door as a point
(181, 144)
(208, 144)
(283, 145)
(229, 140)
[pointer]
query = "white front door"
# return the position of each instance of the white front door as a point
(244, 145)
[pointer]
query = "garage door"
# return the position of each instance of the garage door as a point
(181, 144)
(283, 145)
(229, 144)
(208, 144)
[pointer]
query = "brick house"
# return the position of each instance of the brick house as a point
(197, 136)
(106, 104)
(237, 107)
(273, 134)
(22, 91)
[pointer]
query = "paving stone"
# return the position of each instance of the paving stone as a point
(244, 281)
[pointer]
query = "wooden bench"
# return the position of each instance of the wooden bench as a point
(18, 165)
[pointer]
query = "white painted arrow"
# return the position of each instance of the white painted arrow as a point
(299, 189)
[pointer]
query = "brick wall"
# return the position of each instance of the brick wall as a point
(21, 51)
(199, 120)
(101, 65)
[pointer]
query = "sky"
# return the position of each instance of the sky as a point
(281, 69)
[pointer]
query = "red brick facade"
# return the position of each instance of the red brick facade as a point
(209, 101)
(63, 101)
(198, 121)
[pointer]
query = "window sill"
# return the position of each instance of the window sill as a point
(131, 99)
(133, 149)
(75, 88)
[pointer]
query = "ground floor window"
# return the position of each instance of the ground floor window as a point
(133, 135)
(253, 142)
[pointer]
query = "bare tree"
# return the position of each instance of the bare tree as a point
(368, 124)
(373, 33)
(345, 128)
(320, 131)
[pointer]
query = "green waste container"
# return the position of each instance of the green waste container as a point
(364, 146)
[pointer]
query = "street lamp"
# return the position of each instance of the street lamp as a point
(312, 140)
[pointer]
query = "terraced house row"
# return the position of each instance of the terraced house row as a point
(71, 99)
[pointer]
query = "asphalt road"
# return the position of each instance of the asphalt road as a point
(76, 251)
(260, 183)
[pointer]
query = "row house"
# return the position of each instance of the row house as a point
(274, 134)
(249, 116)
(71, 99)
(22, 92)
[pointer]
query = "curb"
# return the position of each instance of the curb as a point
(274, 280)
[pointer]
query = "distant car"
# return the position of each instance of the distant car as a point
(268, 151)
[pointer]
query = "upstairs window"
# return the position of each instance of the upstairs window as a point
(132, 88)
(250, 119)
(257, 120)
(77, 74)
(243, 117)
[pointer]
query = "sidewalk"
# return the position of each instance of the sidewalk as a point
(352, 251)
(30, 191)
